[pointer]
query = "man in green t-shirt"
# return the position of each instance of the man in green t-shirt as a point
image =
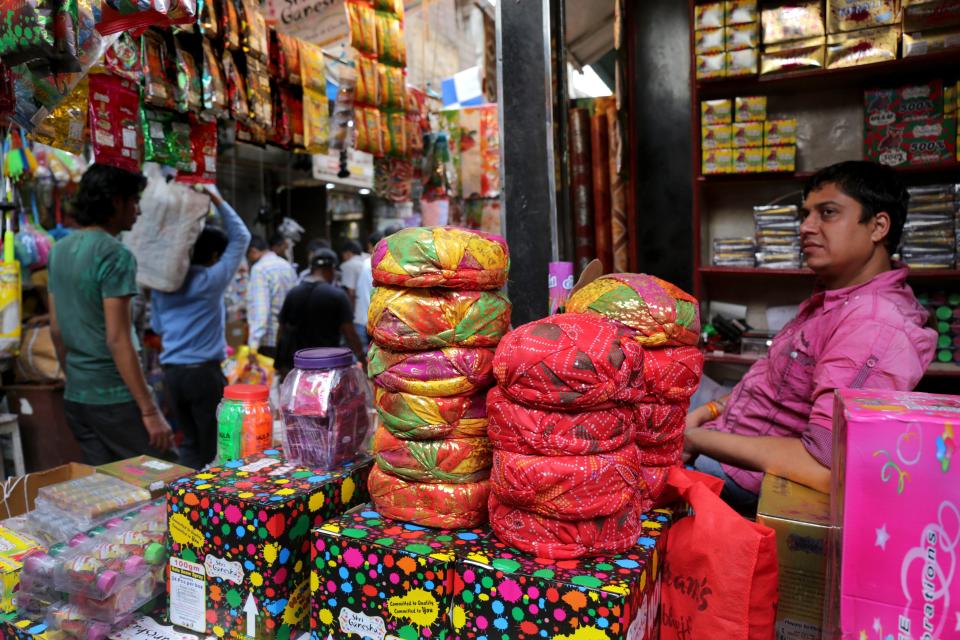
(92, 279)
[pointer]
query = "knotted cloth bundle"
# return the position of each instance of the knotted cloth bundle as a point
(570, 487)
(661, 313)
(672, 374)
(444, 372)
(412, 417)
(421, 319)
(441, 257)
(517, 428)
(449, 460)
(570, 362)
(659, 423)
(444, 506)
(546, 537)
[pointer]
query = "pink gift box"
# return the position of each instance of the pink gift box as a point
(896, 509)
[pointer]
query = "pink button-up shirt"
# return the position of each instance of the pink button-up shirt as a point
(868, 336)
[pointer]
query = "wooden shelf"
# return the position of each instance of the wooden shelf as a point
(951, 167)
(935, 370)
(747, 272)
(914, 69)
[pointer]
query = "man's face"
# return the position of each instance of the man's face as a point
(253, 255)
(127, 210)
(834, 241)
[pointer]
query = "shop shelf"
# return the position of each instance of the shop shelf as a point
(952, 168)
(747, 272)
(935, 370)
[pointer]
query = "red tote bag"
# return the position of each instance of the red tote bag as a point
(720, 570)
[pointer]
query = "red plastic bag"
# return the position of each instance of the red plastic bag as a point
(720, 569)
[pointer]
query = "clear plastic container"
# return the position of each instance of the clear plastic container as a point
(124, 602)
(244, 422)
(325, 404)
(70, 620)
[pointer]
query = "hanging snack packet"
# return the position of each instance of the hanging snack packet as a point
(89, 40)
(343, 108)
(296, 121)
(414, 135)
(236, 89)
(313, 73)
(316, 121)
(394, 125)
(215, 102)
(27, 32)
(255, 42)
(203, 147)
(230, 25)
(155, 57)
(392, 87)
(390, 46)
(369, 134)
(157, 134)
(180, 145)
(209, 19)
(368, 81)
(276, 62)
(66, 126)
(122, 58)
(114, 121)
(281, 134)
(290, 47)
(189, 84)
(258, 93)
(390, 6)
(363, 26)
(252, 134)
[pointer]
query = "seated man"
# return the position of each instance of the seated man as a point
(862, 328)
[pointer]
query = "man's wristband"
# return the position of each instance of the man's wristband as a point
(714, 410)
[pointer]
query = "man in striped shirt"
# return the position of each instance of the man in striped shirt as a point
(271, 279)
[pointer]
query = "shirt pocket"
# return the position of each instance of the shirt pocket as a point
(797, 384)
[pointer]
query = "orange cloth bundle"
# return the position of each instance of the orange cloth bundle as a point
(445, 372)
(444, 506)
(448, 460)
(412, 417)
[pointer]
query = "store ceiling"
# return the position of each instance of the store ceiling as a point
(589, 30)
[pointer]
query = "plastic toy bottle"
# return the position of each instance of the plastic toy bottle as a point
(244, 422)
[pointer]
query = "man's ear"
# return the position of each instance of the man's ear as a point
(881, 226)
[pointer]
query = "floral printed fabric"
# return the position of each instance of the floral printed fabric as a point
(445, 372)
(450, 460)
(445, 506)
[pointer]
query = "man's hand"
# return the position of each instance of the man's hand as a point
(690, 451)
(214, 193)
(161, 435)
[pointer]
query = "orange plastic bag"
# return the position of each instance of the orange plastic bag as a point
(720, 570)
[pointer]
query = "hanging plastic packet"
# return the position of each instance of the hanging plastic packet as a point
(180, 144)
(313, 72)
(66, 31)
(342, 114)
(363, 26)
(158, 91)
(390, 46)
(296, 121)
(281, 133)
(66, 126)
(157, 134)
(392, 87)
(255, 42)
(369, 133)
(209, 21)
(89, 40)
(203, 148)
(252, 134)
(114, 121)
(216, 104)
(136, 16)
(27, 32)
(316, 121)
(368, 82)
(189, 93)
(236, 89)
(276, 60)
(390, 6)
(230, 25)
(394, 127)
(258, 93)
(290, 48)
(122, 58)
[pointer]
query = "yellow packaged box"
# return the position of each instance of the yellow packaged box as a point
(717, 161)
(740, 12)
(748, 160)
(750, 109)
(793, 56)
(14, 547)
(801, 518)
(778, 132)
(747, 134)
(716, 112)
(923, 42)
(862, 47)
(951, 95)
(794, 21)
(146, 472)
(708, 41)
(716, 136)
(851, 15)
(741, 36)
(742, 63)
(708, 16)
(711, 66)
(783, 158)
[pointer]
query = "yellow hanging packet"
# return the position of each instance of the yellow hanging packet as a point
(66, 126)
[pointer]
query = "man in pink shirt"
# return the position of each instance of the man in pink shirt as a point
(862, 328)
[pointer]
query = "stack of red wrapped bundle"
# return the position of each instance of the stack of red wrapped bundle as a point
(434, 320)
(587, 419)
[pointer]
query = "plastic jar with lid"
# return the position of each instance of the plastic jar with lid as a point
(324, 402)
(244, 421)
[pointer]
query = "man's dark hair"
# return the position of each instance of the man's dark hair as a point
(93, 204)
(375, 238)
(324, 259)
(211, 242)
(876, 187)
(316, 244)
(258, 243)
(353, 247)
(276, 239)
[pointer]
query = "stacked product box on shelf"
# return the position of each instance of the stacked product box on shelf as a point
(930, 231)
(944, 309)
(734, 252)
(930, 26)
(793, 37)
(778, 236)
(861, 32)
(737, 137)
(378, 578)
(239, 536)
(146, 472)
(726, 39)
(909, 125)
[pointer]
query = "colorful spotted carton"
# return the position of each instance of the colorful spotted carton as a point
(507, 594)
(239, 537)
(378, 578)
(13, 627)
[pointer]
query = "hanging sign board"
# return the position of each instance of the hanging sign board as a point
(321, 22)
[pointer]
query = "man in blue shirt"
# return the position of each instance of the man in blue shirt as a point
(190, 322)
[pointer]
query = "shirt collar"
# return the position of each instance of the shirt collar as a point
(895, 277)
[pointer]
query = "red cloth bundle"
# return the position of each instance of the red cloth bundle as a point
(446, 372)
(413, 417)
(546, 537)
(452, 460)
(658, 423)
(671, 375)
(520, 429)
(666, 454)
(570, 362)
(444, 506)
(570, 487)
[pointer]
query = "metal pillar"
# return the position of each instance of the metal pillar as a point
(529, 191)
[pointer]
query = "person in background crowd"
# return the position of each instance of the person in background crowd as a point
(191, 322)
(357, 279)
(271, 279)
(109, 406)
(862, 328)
(312, 247)
(316, 314)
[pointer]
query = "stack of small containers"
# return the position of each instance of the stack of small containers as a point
(434, 320)
(929, 234)
(588, 416)
(726, 39)
(778, 236)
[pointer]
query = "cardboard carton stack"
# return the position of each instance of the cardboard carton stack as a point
(726, 39)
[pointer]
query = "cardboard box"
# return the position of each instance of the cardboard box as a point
(884, 107)
(931, 14)
(717, 161)
(711, 66)
(852, 15)
(801, 518)
(239, 536)
(896, 507)
(793, 21)
(783, 158)
(524, 598)
(742, 62)
(750, 109)
(793, 56)
(741, 36)
(21, 496)
(379, 578)
(706, 41)
(14, 547)
(862, 47)
(146, 472)
(921, 43)
(747, 135)
(740, 12)
(748, 160)
(780, 132)
(715, 112)
(708, 16)
(929, 141)
(716, 136)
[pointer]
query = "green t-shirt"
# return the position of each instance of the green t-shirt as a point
(86, 267)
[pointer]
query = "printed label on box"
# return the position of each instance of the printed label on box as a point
(158, 465)
(260, 465)
(188, 595)
(363, 625)
(220, 568)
